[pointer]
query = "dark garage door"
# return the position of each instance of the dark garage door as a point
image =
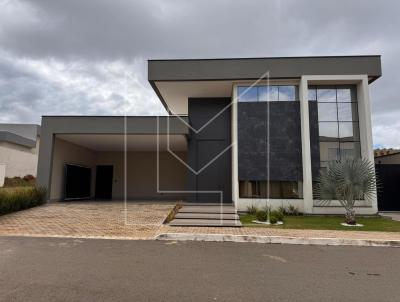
(389, 187)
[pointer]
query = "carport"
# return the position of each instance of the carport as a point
(113, 158)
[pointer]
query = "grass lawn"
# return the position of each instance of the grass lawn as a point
(328, 223)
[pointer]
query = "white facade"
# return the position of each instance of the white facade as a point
(307, 204)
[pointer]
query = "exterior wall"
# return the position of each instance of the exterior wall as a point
(388, 159)
(312, 206)
(209, 148)
(310, 147)
(66, 152)
(282, 161)
(141, 171)
(53, 125)
(19, 160)
(142, 174)
(273, 203)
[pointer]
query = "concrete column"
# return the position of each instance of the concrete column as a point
(45, 160)
(234, 125)
(365, 125)
(305, 146)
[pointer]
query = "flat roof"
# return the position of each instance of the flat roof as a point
(9, 137)
(231, 69)
(253, 68)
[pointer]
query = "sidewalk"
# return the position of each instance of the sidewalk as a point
(271, 235)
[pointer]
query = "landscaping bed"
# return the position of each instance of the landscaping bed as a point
(374, 223)
(19, 198)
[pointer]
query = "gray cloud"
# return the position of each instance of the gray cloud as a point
(70, 57)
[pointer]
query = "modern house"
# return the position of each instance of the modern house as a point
(19, 148)
(242, 131)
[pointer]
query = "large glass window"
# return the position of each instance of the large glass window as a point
(339, 134)
(264, 93)
(270, 189)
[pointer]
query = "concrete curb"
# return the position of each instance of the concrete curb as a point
(278, 239)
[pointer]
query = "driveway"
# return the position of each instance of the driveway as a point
(88, 220)
(66, 269)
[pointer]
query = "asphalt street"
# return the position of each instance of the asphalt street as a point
(54, 269)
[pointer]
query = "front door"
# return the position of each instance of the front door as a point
(213, 177)
(104, 181)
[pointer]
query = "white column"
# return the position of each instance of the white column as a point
(305, 146)
(235, 173)
(365, 125)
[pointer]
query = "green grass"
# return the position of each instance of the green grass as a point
(328, 223)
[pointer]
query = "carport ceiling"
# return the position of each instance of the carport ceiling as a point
(115, 142)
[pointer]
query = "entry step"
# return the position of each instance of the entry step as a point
(229, 216)
(207, 215)
(208, 209)
(206, 222)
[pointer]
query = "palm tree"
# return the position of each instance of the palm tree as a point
(347, 181)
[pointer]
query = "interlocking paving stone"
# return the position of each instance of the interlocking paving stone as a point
(88, 219)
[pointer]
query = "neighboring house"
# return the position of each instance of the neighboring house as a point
(19, 146)
(388, 172)
(385, 151)
(241, 131)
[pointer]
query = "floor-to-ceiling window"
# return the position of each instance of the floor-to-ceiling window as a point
(338, 127)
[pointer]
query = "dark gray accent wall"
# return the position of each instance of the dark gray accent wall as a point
(314, 137)
(205, 146)
(285, 156)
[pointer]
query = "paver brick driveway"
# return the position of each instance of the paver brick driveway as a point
(88, 219)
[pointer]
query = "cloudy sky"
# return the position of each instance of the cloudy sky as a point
(89, 56)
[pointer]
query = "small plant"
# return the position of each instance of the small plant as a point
(283, 210)
(262, 215)
(174, 211)
(292, 211)
(347, 181)
(252, 210)
(273, 219)
(277, 214)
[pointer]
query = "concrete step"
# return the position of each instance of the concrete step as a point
(227, 216)
(208, 209)
(205, 222)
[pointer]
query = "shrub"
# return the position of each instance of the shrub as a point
(262, 215)
(15, 199)
(283, 210)
(293, 211)
(252, 210)
(278, 215)
(27, 180)
(273, 219)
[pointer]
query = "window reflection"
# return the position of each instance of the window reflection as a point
(327, 112)
(347, 112)
(270, 189)
(344, 95)
(326, 95)
(287, 93)
(265, 93)
(328, 131)
(247, 94)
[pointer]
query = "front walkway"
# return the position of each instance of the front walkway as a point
(88, 220)
(140, 221)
